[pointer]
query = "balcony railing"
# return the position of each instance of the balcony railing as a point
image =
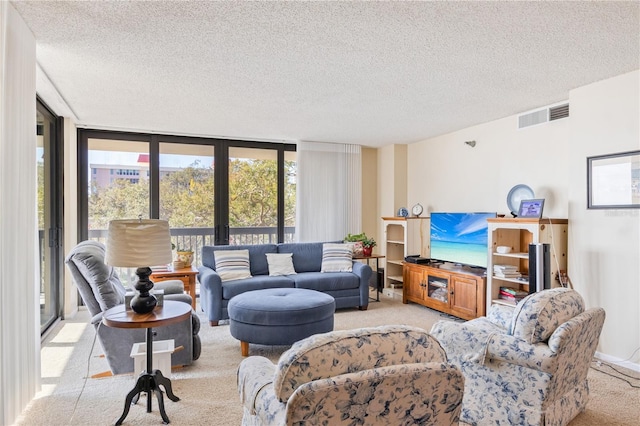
(196, 238)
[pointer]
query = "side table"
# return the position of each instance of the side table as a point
(149, 380)
(186, 275)
(377, 258)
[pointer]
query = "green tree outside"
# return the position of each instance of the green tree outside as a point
(187, 197)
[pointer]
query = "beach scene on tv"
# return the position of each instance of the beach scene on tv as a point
(460, 237)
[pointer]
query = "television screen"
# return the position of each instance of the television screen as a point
(460, 237)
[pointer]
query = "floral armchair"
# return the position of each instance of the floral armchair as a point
(389, 375)
(525, 365)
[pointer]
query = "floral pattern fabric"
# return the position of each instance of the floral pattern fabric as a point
(539, 314)
(508, 379)
(392, 375)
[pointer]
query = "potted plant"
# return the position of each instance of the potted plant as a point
(356, 239)
(367, 246)
(183, 255)
(363, 244)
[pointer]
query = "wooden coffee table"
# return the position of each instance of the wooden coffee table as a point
(186, 275)
(149, 380)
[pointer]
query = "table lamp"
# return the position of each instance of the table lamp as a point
(139, 243)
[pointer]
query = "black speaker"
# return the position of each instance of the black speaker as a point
(539, 267)
(377, 280)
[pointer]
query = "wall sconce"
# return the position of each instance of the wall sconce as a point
(471, 143)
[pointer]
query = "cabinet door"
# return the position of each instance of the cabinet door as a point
(437, 290)
(413, 284)
(464, 297)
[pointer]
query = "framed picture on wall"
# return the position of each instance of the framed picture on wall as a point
(531, 208)
(613, 181)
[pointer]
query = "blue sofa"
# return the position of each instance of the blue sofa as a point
(349, 289)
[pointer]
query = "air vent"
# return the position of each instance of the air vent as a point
(533, 118)
(561, 111)
(543, 115)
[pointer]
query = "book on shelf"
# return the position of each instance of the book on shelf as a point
(508, 275)
(505, 268)
(512, 294)
(506, 271)
(511, 302)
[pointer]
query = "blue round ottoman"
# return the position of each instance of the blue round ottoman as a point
(279, 316)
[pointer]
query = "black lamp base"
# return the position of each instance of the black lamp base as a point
(143, 302)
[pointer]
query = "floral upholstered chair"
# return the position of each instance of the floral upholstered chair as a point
(525, 365)
(389, 375)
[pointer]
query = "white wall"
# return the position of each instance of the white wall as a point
(604, 245)
(369, 193)
(445, 174)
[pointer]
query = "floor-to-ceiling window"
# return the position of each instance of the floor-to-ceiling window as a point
(261, 196)
(187, 193)
(212, 191)
(49, 167)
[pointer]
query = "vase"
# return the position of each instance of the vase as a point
(366, 251)
(185, 256)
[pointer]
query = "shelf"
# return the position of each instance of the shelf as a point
(395, 277)
(518, 234)
(437, 284)
(396, 262)
(511, 280)
(504, 302)
(395, 242)
(516, 255)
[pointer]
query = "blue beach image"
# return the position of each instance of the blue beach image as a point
(460, 237)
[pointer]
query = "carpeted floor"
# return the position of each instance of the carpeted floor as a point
(208, 387)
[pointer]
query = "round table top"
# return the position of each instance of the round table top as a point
(171, 312)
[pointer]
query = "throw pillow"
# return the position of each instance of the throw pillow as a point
(336, 258)
(232, 264)
(280, 264)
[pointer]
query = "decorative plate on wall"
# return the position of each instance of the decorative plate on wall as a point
(516, 194)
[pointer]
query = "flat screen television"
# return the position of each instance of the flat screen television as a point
(460, 237)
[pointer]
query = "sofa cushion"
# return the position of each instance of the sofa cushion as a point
(232, 264)
(307, 257)
(280, 264)
(257, 259)
(336, 258)
(326, 282)
(258, 282)
(536, 317)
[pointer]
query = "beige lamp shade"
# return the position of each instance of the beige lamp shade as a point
(137, 243)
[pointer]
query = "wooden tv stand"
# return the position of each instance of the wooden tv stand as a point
(456, 290)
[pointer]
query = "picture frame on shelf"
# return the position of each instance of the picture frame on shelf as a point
(531, 209)
(613, 181)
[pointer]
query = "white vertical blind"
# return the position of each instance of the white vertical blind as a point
(329, 195)
(19, 273)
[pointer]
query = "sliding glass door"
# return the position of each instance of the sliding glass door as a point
(211, 191)
(49, 166)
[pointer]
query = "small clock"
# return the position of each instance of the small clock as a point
(417, 210)
(403, 212)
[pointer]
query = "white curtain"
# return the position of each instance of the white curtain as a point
(19, 272)
(329, 194)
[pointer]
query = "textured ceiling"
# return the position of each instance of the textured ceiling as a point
(368, 73)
